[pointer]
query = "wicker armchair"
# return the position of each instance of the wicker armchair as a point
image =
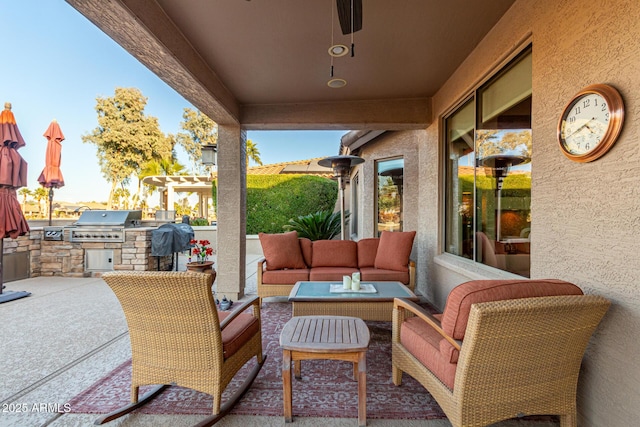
(518, 357)
(178, 337)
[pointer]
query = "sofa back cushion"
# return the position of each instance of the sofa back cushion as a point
(394, 250)
(305, 247)
(367, 250)
(334, 253)
(456, 310)
(282, 251)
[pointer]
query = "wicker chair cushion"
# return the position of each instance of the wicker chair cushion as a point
(456, 311)
(324, 274)
(423, 342)
(282, 250)
(239, 331)
(370, 274)
(394, 250)
(334, 253)
(285, 276)
(367, 250)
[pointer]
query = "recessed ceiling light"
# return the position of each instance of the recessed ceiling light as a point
(337, 83)
(338, 50)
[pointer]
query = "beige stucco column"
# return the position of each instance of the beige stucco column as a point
(232, 189)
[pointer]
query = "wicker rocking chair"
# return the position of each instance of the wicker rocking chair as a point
(179, 338)
(501, 349)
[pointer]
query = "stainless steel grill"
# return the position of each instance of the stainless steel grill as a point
(103, 226)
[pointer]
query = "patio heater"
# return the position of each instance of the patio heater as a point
(499, 166)
(341, 166)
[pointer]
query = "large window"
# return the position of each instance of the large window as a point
(488, 172)
(390, 174)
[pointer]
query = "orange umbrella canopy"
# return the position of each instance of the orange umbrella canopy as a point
(9, 133)
(13, 175)
(51, 176)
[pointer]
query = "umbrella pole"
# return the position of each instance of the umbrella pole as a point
(1, 256)
(50, 203)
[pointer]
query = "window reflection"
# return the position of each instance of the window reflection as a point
(390, 175)
(488, 170)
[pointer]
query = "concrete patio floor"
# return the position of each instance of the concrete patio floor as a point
(71, 332)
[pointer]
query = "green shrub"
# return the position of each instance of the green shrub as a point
(198, 221)
(272, 200)
(322, 225)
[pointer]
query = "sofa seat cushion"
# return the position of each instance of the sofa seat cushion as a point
(459, 301)
(285, 277)
(238, 332)
(394, 250)
(282, 250)
(368, 274)
(423, 342)
(334, 253)
(367, 250)
(330, 274)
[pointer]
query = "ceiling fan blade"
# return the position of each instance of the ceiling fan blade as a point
(344, 15)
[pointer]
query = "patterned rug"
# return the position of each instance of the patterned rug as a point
(326, 389)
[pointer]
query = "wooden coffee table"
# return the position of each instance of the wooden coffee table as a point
(316, 298)
(325, 337)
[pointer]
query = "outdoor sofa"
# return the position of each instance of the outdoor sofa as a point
(289, 259)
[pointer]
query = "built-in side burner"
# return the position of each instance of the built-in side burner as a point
(53, 233)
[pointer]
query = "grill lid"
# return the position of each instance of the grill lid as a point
(170, 238)
(109, 218)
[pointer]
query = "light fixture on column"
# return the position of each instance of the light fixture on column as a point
(341, 166)
(208, 154)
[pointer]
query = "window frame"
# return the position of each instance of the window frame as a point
(472, 96)
(376, 210)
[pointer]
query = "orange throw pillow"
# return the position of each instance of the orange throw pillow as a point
(282, 251)
(394, 250)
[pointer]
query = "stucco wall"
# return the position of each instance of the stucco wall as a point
(389, 145)
(586, 217)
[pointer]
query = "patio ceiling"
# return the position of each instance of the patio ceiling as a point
(264, 64)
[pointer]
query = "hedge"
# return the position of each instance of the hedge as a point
(272, 200)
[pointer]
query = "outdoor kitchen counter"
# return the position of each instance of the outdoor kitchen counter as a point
(87, 259)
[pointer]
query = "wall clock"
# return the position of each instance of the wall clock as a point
(591, 123)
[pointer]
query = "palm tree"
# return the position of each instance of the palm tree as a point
(253, 153)
(40, 194)
(24, 192)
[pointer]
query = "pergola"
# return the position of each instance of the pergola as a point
(201, 185)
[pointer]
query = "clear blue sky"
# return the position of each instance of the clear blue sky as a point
(56, 63)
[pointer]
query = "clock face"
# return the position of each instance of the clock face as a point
(584, 124)
(591, 123)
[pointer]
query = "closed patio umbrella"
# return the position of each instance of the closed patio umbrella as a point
(13, 175)
(51, 176)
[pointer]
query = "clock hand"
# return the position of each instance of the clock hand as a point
(586, 124)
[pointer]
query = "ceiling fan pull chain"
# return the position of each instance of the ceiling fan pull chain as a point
(353, 53)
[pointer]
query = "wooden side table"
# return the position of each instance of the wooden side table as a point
(325, 337)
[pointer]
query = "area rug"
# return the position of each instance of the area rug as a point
(326, 389)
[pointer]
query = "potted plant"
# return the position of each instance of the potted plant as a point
(322, 225)
(201, 251)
